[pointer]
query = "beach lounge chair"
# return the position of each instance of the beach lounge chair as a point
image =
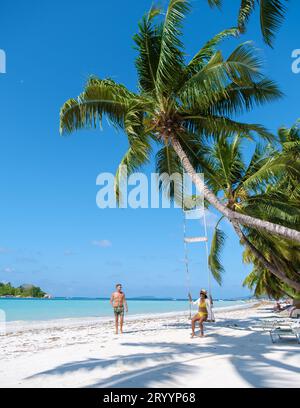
(285, 332)
(295, 314)
(272, 323)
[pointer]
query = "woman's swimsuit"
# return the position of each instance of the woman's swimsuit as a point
(202, 309)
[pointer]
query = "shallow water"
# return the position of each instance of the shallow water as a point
(50, 309)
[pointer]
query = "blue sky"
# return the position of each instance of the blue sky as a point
(52, 233)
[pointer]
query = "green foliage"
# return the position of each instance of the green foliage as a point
(271, 15)
(214, 262)
(278, 201)
(264, 187)
(6, 289)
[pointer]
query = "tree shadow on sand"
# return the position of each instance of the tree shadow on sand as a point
(248, 353)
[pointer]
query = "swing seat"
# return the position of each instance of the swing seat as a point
(192, 240)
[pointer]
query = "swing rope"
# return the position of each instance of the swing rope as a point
(186, 262)
(187, 241)
(207, 255)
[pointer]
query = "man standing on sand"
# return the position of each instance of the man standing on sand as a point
(118, 301)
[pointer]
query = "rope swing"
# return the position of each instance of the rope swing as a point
(191, 240)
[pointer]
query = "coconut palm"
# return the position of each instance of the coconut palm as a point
(271, 14)
(179, 103)
(262, 187)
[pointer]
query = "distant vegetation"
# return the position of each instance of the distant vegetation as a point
(6, 289)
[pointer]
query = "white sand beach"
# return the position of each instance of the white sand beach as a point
(153, 352)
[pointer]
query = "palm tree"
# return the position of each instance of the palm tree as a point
(271, 13)
(179, 103)
(260, 188)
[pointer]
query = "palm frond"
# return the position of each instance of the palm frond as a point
(258, 159)
(171, 58)
(272, 13)
(208, 50)
(246, 9)
(170, 171)
(214, 262)
(221, 126)
(136, 156)
(274, 166)
(228, 158)
(210, 83)
(215, 3)
(274, 206)
(148, 45)
(237, 99)
(100, 97)
(244, 63)
(199, 155)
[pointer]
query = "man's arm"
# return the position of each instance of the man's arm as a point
(111, 299)
(125, 304)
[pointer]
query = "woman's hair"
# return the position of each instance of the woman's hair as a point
(205, 295)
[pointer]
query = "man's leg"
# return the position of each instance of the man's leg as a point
(121, 322)
(116, 322)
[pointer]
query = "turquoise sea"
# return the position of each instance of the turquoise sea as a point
(62, 308)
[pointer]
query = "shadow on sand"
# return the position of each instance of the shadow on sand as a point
(249, 353)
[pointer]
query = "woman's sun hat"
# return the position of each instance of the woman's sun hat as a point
(204, 291)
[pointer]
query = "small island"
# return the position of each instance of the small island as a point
(23, 291)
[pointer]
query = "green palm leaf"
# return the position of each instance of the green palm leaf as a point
(214, 262)
(271, 16)
(168, 166)
(100, 97)
(272, 13)
(209, 49)
(148, 45)
(171, 57)
(136, 156)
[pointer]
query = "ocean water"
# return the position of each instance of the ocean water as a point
(52, 309)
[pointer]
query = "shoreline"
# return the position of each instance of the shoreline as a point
(18, 326)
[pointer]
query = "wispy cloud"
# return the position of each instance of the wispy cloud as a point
(3, 250)
(8, 269)
(103, 243)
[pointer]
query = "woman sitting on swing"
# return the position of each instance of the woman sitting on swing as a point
(204, 312)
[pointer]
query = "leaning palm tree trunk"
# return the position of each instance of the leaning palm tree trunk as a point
(279, 274)
(247, 220)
